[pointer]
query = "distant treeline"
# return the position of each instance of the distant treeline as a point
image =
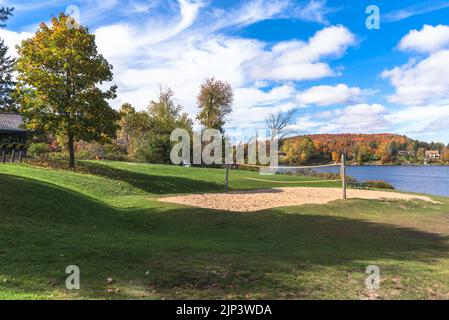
(360, 148)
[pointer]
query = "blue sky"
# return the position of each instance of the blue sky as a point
(313, 56)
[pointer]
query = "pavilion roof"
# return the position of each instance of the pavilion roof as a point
(11, 123)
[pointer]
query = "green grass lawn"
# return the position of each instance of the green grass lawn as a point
(105, 218)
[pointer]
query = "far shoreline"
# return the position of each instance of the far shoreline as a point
(397, 165)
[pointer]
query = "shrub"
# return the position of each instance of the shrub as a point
(38, 150)
(113, 152)
(152, 148)
(89, 151)
(375, 184)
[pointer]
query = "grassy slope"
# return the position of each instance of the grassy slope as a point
(110, 224)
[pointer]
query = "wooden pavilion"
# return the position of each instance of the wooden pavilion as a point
(12, 137)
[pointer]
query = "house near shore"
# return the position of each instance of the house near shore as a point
(433, 154)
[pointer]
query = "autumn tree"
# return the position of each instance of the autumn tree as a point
(299, 150)
(421, 154)
(385, 152)
(60, 71)
(215, 103)
(445, 155)
(336, 156)
(132, 124)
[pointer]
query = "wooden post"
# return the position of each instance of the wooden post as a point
(13, 154)
(343, 175)
(228, 168)
(21, 155)
(4, 155)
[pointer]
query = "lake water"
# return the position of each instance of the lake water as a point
(422, 179)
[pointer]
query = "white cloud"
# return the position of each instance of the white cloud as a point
(415, 9)
(141, 7)
(420, 82)
(359, 118)
(247, 13)
(248, 97)
(329, 95)
(315, 10)
(252, 105)
(184, 67)
(428, 39)
(421, 119)
(12, 39)
(428, 122)
(131, 39)
(258, 10)
(298, 60)
(180, 48)
(423, 80)
(182, 60)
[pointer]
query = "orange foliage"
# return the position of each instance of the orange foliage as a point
(361, 147)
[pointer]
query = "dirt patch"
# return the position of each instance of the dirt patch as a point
(255, 200)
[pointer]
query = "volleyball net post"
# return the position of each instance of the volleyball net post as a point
(227, 169)
(343, 175)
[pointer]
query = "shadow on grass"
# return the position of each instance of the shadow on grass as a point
(202, 252)
(157, 184)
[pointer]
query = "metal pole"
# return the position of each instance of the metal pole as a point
(343, 175)
(228, 168)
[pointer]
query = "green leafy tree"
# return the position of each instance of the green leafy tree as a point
(215, 103)
(394, 148)
(164, 117)
(59, 73)
(363, 154)
(145, 135)
(7, 83)
(5, 14)
(415, 145)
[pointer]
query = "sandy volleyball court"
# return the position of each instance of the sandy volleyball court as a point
(255, 200)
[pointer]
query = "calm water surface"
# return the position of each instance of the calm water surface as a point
(422, 179)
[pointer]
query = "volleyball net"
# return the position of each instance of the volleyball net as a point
(317, 172)
(287, 169)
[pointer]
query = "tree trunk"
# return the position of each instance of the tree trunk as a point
(71, 151)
